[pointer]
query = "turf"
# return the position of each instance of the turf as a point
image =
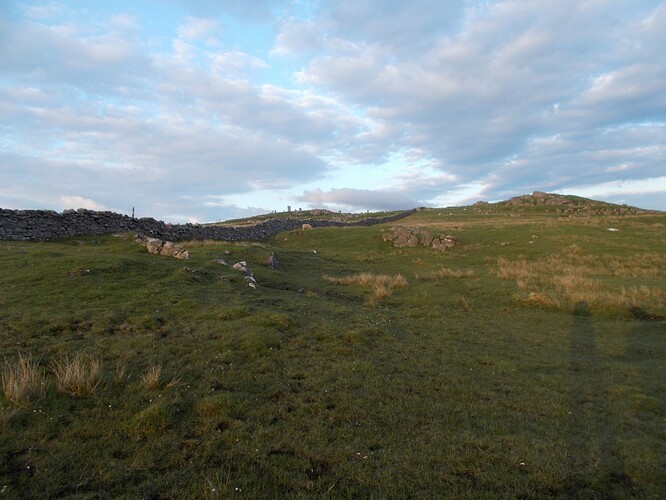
(467, 382)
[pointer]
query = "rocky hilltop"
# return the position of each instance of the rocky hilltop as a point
(573, 204)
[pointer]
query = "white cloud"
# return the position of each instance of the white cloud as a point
(199, 29)
(358, 199)
(80, 202)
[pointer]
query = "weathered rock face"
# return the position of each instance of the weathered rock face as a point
(39, 225)
(413, 236)
(165, 248)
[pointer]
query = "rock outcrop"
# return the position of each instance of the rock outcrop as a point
(413, 236)
(165, 248)
(573, 205)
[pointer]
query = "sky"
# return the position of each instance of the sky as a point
(206, 110)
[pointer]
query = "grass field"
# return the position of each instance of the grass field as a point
(527, 361)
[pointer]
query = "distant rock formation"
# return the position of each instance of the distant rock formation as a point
(413, 236)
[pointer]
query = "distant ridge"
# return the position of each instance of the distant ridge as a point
(572, 204)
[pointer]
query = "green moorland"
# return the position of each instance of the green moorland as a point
(529, 360)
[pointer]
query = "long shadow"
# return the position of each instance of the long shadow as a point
(591, 448)
(646, 354)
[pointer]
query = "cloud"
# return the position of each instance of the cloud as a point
(199, 29)
(358, 199)
(80, 202)
(297, 36)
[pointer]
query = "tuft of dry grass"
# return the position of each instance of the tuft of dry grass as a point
(23, 380)
(382, 285)
(151, 378)
(445, 273)
(464, 302)
(79, 376)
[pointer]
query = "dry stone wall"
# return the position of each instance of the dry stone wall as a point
(40, 225)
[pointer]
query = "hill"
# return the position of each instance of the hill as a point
(527, 359)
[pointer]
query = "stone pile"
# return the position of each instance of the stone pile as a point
(413, 236)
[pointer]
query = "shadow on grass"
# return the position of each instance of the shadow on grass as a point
(594, 466)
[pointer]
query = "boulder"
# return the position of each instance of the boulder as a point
(170, 249)
(242, 267)
(165, 248)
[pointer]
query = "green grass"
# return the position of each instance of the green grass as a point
(454, 385)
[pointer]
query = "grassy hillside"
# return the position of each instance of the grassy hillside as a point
(528, 360)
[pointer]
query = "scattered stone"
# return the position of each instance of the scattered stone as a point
(220, 261)
(314, 251)
(613, 229)
(227, 252)
(79, 271)
(300, 290)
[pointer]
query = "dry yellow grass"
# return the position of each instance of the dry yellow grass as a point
(561, 281)
(445, 273)
(382, 285)
(79, 376)
(151, 378)
(23, 380)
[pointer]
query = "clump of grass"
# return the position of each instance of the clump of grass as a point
(444, 273)
(231, 313)
(23, 380)
(151, 421)
(278, 321)
(464, 303)
(382, 285)
(79, 376)
(120, 374)
(151, 378)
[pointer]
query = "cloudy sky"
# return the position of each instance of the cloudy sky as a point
(196, 110)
